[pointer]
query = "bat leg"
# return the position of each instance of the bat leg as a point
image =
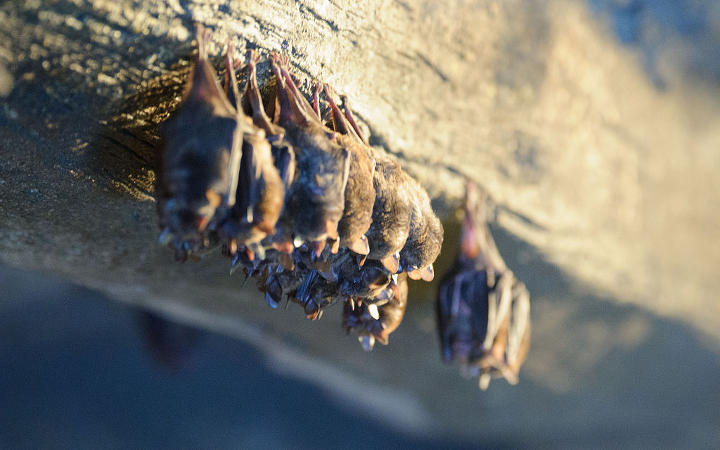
(342, 123)
(202, 36)
(338, 120)
(302, 104)
(351, 119)
(294, 108)
(316, 99)
(283, 109)
(252, 94)
(232, 65)
(231, 77)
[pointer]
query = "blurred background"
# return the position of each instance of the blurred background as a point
(80, 370)
(606, 210)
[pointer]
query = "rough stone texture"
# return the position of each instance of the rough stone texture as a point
(602, 159)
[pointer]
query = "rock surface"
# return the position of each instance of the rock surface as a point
(601, 157)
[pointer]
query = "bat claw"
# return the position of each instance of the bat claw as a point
(235, 265)
(367, 342)
(165, 237)
(271, 301)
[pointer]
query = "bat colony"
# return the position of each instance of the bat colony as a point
(300, 202)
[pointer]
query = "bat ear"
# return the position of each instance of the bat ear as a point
(360, 246)
(391, 262)
(415, 274)
(428, 273)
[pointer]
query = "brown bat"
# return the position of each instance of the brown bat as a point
(373, 322)
(315, 200)
(275, 279)
(391, 212)
(483, 311)
(369, 281)
(359, 191)
(425, 236)
(283, 154)
(316, 293)
(310, 212)
(260, 191)
(199, 161)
